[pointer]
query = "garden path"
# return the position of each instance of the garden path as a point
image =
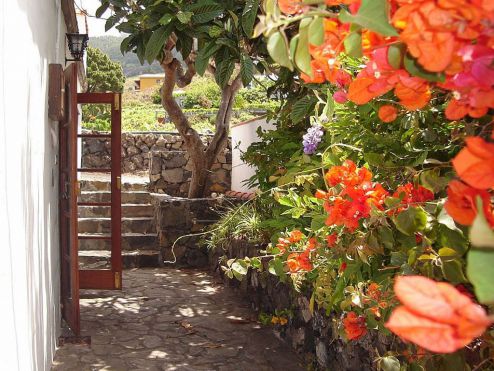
(170, 319)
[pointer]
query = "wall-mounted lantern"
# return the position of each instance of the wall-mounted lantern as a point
(77, 43)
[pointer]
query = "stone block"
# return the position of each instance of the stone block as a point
(177, 145)
(161, 142)
(220, 176)
(173, 175)
(174, 160)
(94, 145)
(132, 150)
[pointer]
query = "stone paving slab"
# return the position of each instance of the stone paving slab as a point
(170, 319)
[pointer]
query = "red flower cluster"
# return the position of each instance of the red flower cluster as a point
(297, 261)
(354, 326)
(411, 194)
(358, 195)
(356, 198)
(301, 261)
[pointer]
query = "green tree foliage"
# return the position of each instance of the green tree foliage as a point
(210, 35)
(102, 73)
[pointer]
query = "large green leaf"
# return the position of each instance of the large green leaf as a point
(353, 43)
(301, 109)
(413, 219)
(124, 45)
(278, 49)
(184, 17)
(395, 55)
(249, 16)
(156, 42)
(102, 9)
(480, 272)
(165, 19)
(302, 56)
(246, 69)
(111, 21)
(481, 234)
(203, 56)
(373, 15)
(224, 71)
(316, 31)
(206, 13)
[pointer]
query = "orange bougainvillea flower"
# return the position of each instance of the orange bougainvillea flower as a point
(354, 326)
(475, 163)
(461, 203)
(295, 236)
(388, 113)
(435, 315)
(291, 6)
(413, 92)
(321, 195)
(331, 239)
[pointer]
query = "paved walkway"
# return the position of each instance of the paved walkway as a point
(169, 319)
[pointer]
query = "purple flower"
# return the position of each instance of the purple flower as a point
(312, 139)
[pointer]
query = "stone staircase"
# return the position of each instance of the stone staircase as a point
(140, 246)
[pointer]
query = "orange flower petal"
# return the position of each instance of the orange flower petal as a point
(429, 334)
(475, 163)
(388, 113)
(358, 91)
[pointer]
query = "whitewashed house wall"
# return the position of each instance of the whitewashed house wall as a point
(32, 35)
(243, 135)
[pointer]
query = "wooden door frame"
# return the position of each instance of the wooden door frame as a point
(108, 279)
(69, 269)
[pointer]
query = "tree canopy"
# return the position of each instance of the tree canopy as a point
(102, 73)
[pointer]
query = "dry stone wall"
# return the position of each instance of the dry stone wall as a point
(135, 149)
(170, 173)
(311, 333)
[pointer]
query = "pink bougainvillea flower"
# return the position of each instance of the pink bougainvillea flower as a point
(435, 315)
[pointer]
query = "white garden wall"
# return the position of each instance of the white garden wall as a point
(32, 35)
(243, 135)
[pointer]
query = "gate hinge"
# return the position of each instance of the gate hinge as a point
(117, 280)
(117, 101)
(119, 182)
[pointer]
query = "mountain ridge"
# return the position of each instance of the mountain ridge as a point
(131, 66)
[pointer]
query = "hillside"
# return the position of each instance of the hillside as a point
(131, 66)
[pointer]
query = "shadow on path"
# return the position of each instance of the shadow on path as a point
(170, 319)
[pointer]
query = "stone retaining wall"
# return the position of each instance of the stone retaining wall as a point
(170, 173)
(312, 335)
(135, 149)
(177, 217)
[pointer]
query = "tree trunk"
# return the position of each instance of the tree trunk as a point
(201, 157)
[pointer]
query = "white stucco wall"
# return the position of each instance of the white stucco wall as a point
(32, 33)
(243, 135)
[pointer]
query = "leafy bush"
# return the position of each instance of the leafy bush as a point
(237, 222)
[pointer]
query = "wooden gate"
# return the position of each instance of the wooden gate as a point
(72, 278)
(107, 279)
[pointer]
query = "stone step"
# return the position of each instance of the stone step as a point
(104, 185)
(130, 241)
(97, 259)
(128, 210)
(142, 225)
(135, 197)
